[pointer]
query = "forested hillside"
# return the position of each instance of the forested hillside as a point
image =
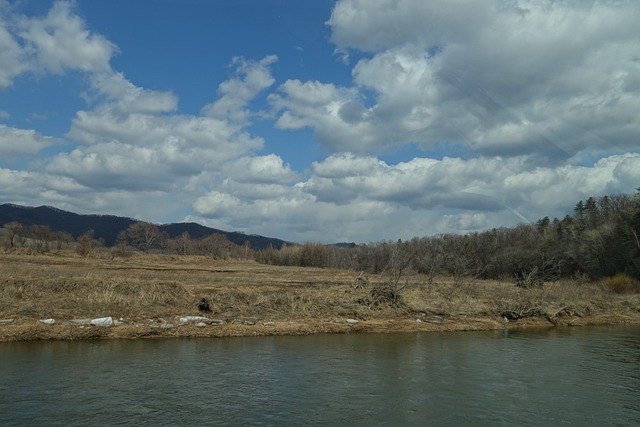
(48, 223)
(600, 238)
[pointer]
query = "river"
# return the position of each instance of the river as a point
(573, 376)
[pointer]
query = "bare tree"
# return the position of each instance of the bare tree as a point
(144, 235)
(62, 239)
(84, 243)
(215, 245)
(183, 243)
(388, 291)
(41, 236)
(14, 231)
(246, 247)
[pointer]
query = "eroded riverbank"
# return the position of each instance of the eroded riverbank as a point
(33, 330)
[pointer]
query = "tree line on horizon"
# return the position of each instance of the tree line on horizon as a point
(140, 236)
(600, 238)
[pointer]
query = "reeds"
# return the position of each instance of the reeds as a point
(621, 284)
(143, 286)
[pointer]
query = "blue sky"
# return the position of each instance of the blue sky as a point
(349, 120)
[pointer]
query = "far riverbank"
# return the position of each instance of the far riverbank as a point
(34, 330)
(60, 297)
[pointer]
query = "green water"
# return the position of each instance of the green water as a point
(574, 376)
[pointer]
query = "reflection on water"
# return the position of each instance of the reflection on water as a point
(574, 376)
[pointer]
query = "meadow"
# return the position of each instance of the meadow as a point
(151, 292)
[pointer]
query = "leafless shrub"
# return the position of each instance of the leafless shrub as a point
(532, 279)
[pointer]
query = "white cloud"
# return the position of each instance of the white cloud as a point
(347, 165)
(19, 185)
(249, 80)
(545, 94)
(12, 62)
(147, 151)
(61, 41)
(123, 97)
(55, 43)
(417, 184)
(467, 221)
(113, 166)
(218, 204)
(323, 107)
(376, 25)
(260, 170)
(14, 142)
(553, 81)
(296, 214)
(134, 142)
(357, 198)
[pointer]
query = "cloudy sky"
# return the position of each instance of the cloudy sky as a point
(348, 120)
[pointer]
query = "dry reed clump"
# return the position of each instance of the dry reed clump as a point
(621, 284)
(73, 298)
(443, 297)
(505, 300)
(568, 298)
(281, 302)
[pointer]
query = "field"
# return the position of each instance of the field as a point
(150, 293)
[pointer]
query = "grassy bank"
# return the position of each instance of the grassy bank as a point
(151, 292)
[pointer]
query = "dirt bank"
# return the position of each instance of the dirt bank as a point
(33, 329)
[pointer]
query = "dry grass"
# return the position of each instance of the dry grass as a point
(622, 284)
(65, 286)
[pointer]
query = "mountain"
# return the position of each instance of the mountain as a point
(107, 227)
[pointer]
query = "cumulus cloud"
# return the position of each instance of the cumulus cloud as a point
(543, 97)
(52, 44)
(134, 142)
(417, 184)
(61, 41)
(269, 169)
(358, 198)
(552, 81)
(14, 142)
(12, 62)
(320, 106)
(234, 94)
(123, 97)
(294, 212)
(139, 151)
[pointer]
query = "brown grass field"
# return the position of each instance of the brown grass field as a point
(151, 292)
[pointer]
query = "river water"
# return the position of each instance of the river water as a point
(574, 376)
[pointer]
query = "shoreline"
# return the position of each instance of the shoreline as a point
(21, 330)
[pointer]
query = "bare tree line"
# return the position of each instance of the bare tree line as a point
(600, 238)
(140, 236)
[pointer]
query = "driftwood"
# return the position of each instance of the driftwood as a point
(361, 281)
(520, 313)
(529, 280)
(553, 317)
(558, 312)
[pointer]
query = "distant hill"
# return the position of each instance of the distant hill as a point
(344, 244)
(107, 227)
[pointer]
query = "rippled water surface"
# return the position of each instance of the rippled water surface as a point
(576, 376)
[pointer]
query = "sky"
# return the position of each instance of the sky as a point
(325, 121)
